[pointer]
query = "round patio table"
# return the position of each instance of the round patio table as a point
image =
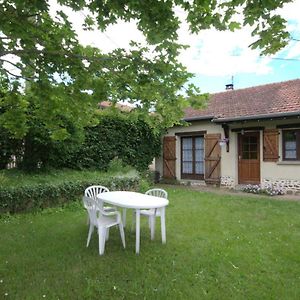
(137, 201)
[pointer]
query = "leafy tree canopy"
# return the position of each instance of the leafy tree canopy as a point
(53, 78)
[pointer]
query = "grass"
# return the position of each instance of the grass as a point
(18, 178)
(218, 247)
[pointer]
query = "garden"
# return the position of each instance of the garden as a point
(56, 140)
(218, 247)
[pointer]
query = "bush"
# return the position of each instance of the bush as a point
(37, 196)
(121, 136)
(117, 135)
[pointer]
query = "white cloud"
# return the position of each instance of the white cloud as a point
(115, 36)
(290, 11)
(216, 53)
(211, 52)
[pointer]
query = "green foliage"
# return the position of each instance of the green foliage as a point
(64, 78)
(117, 135)
(32, 196)
(121, 136)
(117, 165)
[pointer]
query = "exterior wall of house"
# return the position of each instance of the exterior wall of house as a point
(282, 173)
(207, 126)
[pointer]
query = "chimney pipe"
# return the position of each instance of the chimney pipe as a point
(229, 86)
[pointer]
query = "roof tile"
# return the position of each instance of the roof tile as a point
(266, 99)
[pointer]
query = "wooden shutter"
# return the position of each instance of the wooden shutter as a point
(212, 158)
(169, 157)
(271, 144)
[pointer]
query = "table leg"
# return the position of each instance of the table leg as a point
(163, 225)
(124, 217)
(137, 231)
(152, 224)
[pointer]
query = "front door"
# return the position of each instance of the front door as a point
(248, 159)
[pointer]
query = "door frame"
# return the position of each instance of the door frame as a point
(239, 159)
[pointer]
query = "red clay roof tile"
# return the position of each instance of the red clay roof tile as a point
(266, 99)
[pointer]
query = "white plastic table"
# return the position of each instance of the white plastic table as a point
(137, 201)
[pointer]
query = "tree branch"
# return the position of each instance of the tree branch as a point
(7, 61)
(19, 76)
(19, 68)
(56, 53)
(293, 39)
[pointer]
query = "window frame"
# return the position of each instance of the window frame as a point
(297, 131)
(192, 175)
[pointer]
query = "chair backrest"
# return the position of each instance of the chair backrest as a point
(157, 193)
(93, 191)
(91, 206)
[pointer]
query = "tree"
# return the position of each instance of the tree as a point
(57, 81)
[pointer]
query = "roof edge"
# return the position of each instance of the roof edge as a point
(199, 118)
(257, 117)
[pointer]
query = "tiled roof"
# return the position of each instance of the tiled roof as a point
(122, 107)
(275, 98)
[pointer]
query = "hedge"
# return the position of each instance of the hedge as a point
(119, 135)
(38, 196)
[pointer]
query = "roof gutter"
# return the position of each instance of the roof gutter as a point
(258, 117)
(199, 118)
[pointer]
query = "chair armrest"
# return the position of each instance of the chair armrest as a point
(110, 213)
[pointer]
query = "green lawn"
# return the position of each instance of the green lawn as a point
(17, 178)
(218, 247)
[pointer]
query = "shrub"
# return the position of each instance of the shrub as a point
(121, 136)
(117, 135)
(37, 196)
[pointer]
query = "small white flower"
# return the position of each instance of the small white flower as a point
(6, 294)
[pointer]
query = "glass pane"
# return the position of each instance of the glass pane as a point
(291, 154)
(290, 145)
(199, 155)
(289, 135)
(199, 168)
(245, 147)
(249, 147)
(199, 143)
(187, 143)
(187, 155)
(245, 155)
(187, 168)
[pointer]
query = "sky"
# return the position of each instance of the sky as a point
(214, 57)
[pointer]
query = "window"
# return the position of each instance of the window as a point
(192, 157)
(291, 144)
(250, 147)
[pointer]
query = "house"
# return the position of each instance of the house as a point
(245, 136)
(121, 107)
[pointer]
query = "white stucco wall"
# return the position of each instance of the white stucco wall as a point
(271, 172)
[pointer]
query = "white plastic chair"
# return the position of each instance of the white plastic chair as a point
(153, 213)
(103, 221)
(92, 192)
